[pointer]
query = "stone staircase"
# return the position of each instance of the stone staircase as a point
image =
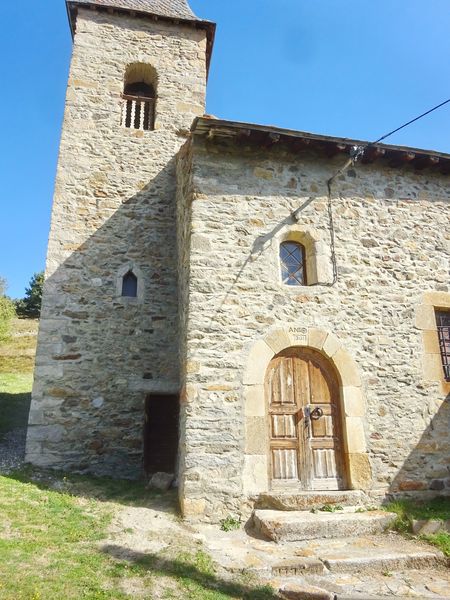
(328, 546)
(336, 540)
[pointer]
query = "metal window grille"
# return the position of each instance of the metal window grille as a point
(293, 268)
(138, 112)
(443, 327)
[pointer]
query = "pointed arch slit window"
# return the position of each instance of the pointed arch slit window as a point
(129, 285)
(293, 263)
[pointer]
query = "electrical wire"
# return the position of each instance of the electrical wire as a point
(410, 122)
(356, 153)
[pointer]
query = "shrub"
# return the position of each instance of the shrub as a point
(30, 306)
(7, 312)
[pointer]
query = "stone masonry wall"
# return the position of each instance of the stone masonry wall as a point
(114, 207)
(392, 246)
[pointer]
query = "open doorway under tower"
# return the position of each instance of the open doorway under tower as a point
(161, 433)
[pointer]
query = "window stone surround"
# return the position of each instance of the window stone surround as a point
(319, 269)
(426, 322)
(139, 298)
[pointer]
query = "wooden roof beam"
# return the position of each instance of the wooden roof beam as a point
(372, 154)
(399, 159)
(425, 162)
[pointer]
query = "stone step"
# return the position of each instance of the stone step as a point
(296, 526)
(308, 500)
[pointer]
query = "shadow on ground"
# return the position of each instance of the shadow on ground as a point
(103, 489)
(14, 410)
(199, 573)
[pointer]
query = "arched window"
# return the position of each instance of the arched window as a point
(139, 98)
(129, 285)
(293, 263)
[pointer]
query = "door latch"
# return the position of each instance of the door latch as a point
(316, 413)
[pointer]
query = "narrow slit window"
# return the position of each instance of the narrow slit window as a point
(129, 285)
(443, 327)
(293, 268)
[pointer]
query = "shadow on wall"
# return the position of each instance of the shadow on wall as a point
(419, 474)
(99, 354)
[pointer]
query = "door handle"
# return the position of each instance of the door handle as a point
(316, 414)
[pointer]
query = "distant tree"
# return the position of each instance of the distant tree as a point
(30, 306)
(7, 311)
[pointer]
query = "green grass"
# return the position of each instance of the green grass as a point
(53, 545)
(47, 544)
(408, 511)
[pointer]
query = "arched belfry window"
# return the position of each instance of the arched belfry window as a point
(139, 97)
(293, 263)
(130, 285)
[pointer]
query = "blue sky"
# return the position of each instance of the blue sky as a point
(351, 68)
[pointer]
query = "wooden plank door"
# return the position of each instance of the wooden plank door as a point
(284, 410)
(324, 428)
(304, 422)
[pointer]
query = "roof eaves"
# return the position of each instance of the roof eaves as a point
(267, 136)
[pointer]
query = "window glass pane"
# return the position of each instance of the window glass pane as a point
(292, 256)
(129, 285)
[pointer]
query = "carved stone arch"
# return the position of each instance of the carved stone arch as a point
(353, 406)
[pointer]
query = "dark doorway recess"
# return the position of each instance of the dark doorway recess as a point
(161, 433)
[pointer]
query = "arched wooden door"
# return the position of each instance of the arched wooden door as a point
(305, 429)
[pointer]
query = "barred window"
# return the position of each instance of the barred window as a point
(293, 266)
(443, 327)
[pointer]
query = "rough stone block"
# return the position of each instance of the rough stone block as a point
(360, 471)
(161, 481)
(354, 404)
(347, 368)
(331, 345)
(441, 299)
(255, 405)
(192, 508)
(295, 591)
(256, 437)
(425, 317)
(316, 338)
(259, 358)
(255, 477)
(432, 367)
(356, 440)
(278, 340)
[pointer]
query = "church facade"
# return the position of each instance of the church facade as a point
(216, 307)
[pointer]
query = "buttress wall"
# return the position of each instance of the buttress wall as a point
(114, 209)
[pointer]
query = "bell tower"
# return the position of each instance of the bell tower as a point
(109, 327)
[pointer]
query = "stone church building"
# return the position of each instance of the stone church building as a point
(216, 307)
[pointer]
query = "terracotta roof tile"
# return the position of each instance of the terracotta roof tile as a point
(177, 9)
